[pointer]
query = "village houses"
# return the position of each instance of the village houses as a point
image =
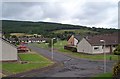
(98, 44)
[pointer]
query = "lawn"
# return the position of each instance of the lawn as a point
(77, 31)
(21, 34)
(103, 76)
(35, 61)
(42, 45)
(60, 47)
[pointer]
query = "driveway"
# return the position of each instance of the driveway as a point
(69, 66)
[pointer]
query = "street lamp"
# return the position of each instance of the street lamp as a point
(52, 47)
(103, 41)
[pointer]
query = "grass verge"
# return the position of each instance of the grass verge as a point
(103, 76)
(35, 61)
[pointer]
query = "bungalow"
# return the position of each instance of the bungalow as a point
(98, 44)
(28, 40)
(9, 51)
(22, 49)
(73, 40)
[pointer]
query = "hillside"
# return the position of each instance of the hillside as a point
(49, 29)
(34, 27)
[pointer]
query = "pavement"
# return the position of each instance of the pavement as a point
(68, 66)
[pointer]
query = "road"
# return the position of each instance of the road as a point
(69, 67)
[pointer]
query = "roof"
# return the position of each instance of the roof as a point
(78, 37)
(110, 39)
(26, 39)
(6, 41)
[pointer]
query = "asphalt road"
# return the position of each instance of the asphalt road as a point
(69, 66)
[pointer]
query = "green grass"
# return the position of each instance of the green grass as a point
(103, 76)
(33, 58)
(0, 66)
(42, 45)
(60, 47)
(77, 31)
(35, 61)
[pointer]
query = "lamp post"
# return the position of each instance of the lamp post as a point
(103, 41)
(52, 47)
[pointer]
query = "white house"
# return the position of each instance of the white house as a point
(94, 44)
(9, 51)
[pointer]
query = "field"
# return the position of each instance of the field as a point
(34, 61)
(77, 31)
(20, 34)
(59, 46)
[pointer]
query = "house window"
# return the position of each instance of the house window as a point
(96, 48)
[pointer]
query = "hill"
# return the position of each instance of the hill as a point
(34, 27)
(48, 29)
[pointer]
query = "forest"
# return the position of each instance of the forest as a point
(48, 29)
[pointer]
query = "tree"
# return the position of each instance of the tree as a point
(50, 42)
(7, 35)
(117, 50)
(116, 68)
(14, 36)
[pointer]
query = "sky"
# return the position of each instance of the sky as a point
(91, 13)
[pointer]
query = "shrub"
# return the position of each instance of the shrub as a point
(116, 70)
(117, 50)
(73, 49)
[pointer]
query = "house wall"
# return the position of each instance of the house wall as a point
(71, 41)
(84, 46)
(75, 41)
(100, 50)
(97, 51)
(107, 49)
(9, 52)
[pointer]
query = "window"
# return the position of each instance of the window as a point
(96, 48)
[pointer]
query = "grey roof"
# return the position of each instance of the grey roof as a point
(78, 37)
(7, 41)
(110, 39)
(26, 39)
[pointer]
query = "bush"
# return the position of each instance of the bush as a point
(73, 49)
(117, 50)
(116, 70)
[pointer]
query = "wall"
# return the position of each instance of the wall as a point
(84, 46)
(97, 51)
(75, 41)
(9, 53)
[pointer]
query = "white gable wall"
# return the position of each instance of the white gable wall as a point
(75, 41)
(84, 46)
(9, 53)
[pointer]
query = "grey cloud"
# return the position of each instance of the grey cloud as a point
(17, 10)
(90, 13)
(96, 12)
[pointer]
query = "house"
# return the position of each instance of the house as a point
(22, 49)
(23, 39)
(93, 44)
(9, 51)
(28, 39)
(73, 40)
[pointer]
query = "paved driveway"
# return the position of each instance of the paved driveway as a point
(69, 67)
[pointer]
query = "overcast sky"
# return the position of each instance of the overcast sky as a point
(78, 12)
